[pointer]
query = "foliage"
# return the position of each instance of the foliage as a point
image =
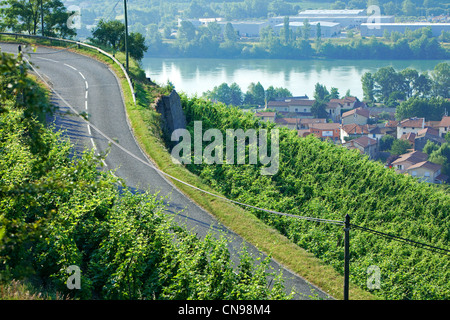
(25, 16)
(432, 109)
(400, 147)
(57, 209)
(319, 179)
(112, 34)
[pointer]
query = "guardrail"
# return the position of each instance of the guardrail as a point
(78, 43)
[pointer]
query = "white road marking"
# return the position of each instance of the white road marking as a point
(68, 65)
(82, 75)
(46, 59)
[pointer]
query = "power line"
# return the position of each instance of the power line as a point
(404, 240)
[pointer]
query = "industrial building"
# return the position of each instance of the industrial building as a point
(344, 21)
(328, 29)
(245, 28)
(378, 29)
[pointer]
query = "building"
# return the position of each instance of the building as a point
(345, 18)
(291, 123)
(266, 116)
(249, 29)
(328, 29)
(427, 171)
(353, 130)
(302, 106)
(378, 29)
(425, 135)
(305, 123)
(356, 116)
(365, 145)
(404, 161)
(411, 125)
(444, 126)
(325, 131)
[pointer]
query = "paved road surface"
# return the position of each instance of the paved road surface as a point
(90, 86)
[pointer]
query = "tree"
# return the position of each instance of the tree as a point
(318, 36)
(186, 31)
(286, 33)
(136, 45)
(25, 16)
(109, 33)
(386, 142)
(230, 34)
(321, 93)
(318, 109)
(431, 109)
(255, 94)
(235, 94)
(368, 84)
(153, 38)
(306, 29)
(430, 147)
(408, 8)
(400, 147)
(272, 93)
(441, 80)
(112, 34)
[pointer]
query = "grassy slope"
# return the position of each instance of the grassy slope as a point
(144, 121)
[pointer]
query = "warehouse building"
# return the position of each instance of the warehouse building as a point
(378, 29)
(245, 28)
(328, 29)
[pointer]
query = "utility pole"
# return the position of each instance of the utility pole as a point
(42, 18)
(126, 33)
(346, 256)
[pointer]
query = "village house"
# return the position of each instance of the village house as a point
(427, 134)
(266, 116)
(404, 161)
(410, 137)
(291, 123)
(305, 123)
(427, 171)
(357, 116)
(300, 106)
(353, 130)
(333, 109)
(365, 145)
(325, 130)
(411, 125)
(444, 126)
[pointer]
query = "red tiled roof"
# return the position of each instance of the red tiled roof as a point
(413, 157)
(365, 141)
(324, 126)
(287, 120)
(360, 111)
(265, 114)
(431, 131)
(445, 122)
(391, 124)
(426, 164)
(412, 123)
(354, 128)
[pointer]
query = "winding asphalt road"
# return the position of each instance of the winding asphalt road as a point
(90, 86)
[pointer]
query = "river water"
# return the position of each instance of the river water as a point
(195, 76)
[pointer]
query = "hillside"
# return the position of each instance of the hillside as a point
(318, 179)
